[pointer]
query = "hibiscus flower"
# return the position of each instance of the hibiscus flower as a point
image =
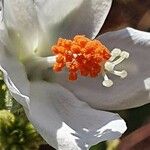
(69, 115)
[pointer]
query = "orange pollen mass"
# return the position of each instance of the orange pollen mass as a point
(80, 55)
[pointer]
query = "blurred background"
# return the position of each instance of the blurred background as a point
(17, 133)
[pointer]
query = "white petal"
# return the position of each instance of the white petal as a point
(125, 93)
(1, 11)
(14, 76)
(67, 123)
(22, 24)
(63, 18)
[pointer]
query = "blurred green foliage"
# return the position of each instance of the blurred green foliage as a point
(16, 132)
(2, 93)
(108, 145)
(100, 146)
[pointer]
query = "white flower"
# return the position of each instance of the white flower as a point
(68, 115)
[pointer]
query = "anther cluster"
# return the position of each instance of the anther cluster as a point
(80, 56)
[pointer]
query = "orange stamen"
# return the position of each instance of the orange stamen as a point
(80, 55)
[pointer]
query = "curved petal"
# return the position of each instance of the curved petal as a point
(126, 93)
(63, 18)
(22, 24)
(67, 123)
(14, 76)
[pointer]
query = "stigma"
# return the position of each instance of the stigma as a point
(85, 57)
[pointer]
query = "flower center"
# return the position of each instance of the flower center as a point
(80, 55)
(87, 58)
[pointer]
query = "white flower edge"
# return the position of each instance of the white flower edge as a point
(14, 76)
(96, 10)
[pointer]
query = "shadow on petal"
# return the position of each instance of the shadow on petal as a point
(67, 123)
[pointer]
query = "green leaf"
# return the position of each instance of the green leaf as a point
(99, 146)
